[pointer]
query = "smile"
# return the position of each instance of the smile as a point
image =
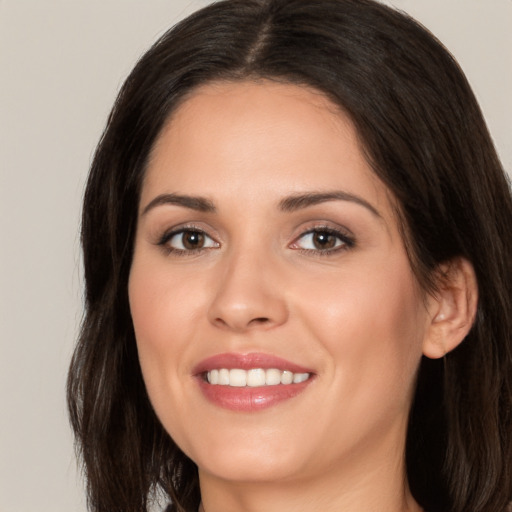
(255, 377)
(250, 382)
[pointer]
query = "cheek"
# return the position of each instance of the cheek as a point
(165, 315)
(371, 325)
(164, 306)
(160, 310)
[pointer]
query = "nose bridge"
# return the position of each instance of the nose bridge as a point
(247, 293)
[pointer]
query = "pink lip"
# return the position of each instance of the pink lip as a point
(246, 362)
(249, 399)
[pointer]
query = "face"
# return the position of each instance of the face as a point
(278, 322)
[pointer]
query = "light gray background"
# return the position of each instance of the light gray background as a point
(61, 64)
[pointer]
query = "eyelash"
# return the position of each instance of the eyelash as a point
(347, 241)
(169, 235)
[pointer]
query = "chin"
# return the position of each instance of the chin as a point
(253, 467)
(248, 455)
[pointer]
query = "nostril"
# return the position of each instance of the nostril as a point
(242, 324)
(260, 320)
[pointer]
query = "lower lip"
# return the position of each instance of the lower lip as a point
(249, 399)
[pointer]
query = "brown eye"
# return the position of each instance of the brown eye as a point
(323, 240)
(192, 240)
(188, 240)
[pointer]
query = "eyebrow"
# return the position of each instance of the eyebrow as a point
(299, 201)
(199, 204)
(288, 204)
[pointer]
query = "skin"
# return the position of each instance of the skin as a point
(354, 314)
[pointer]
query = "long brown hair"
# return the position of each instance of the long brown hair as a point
(424, 136)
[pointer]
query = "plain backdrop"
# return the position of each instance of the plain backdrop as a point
(61, 65)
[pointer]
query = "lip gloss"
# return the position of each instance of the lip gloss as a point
(247, 398)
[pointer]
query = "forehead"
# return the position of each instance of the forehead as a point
(231, 138)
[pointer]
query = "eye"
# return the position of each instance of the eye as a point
(187, 240)
(323, 240)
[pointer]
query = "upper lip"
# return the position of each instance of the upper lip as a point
(247, 362)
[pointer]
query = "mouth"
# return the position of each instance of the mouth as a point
(250, 382)
(255, 377)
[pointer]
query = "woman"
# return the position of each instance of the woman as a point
(298, 273)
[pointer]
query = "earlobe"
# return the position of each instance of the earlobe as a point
(452, 308)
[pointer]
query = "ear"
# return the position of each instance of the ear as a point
(452, 308)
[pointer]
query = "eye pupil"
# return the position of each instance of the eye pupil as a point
(193, 240)
(323, 240)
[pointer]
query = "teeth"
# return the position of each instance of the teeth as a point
(224, 377)
(255, 377)
(300, 377)
(238, 378)
(272, 377)
(286, 377)
(213, 377)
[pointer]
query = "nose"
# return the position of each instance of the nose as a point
(249, 295)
